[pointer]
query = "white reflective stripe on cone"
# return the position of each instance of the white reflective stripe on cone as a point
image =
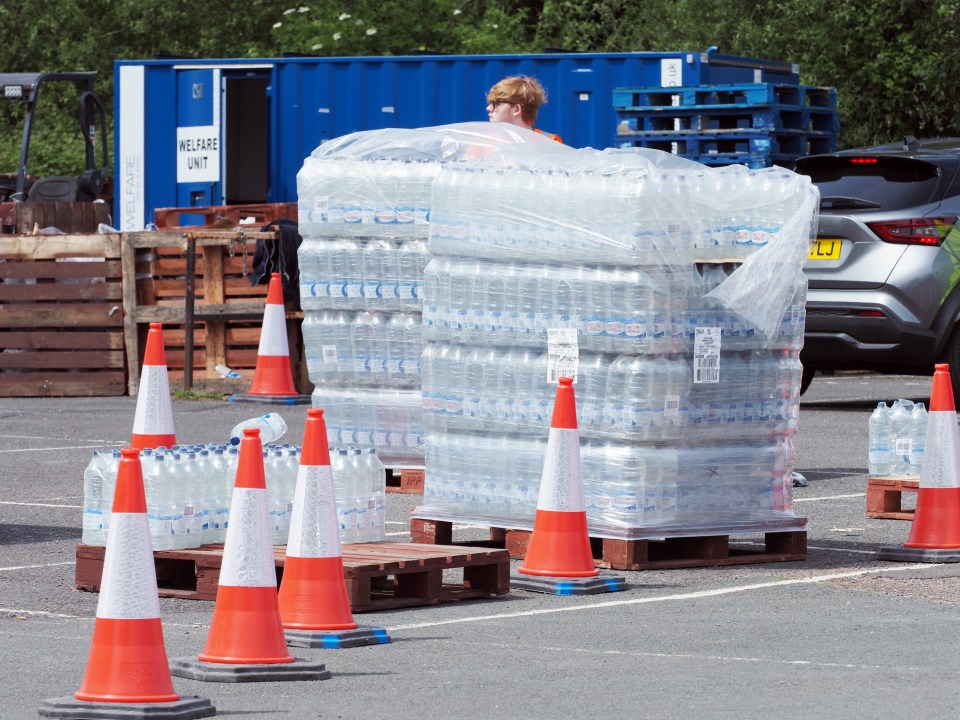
(561, 486)
(941, 452)
(273, 335)
(128, 586)
(154, 414)
(314, 531)
(248, 548)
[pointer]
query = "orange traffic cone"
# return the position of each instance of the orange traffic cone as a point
(559, 551)
(245, 642)
(935, 533)
(153, 421)
(127, 668)
(314, 606)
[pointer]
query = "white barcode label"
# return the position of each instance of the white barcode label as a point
(563, 354)
(329, 354)
(706, 355)
(904, 446)
(671, 406)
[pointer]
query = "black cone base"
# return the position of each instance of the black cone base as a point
(336, 638)
(602, 583)
(905, 554)
(268, 672)
(186, 708)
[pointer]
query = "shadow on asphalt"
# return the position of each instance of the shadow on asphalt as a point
(12, 534)
(831, 473)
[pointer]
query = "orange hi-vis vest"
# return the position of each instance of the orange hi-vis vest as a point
(550, 135)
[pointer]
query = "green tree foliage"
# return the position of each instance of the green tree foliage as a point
(894, 62)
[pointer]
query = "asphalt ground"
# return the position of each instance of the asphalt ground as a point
(841, 634)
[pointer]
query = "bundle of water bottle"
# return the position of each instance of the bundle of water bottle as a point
(378, 272)
(345, 195)
(621, 205)
(896, 438)
(383, 418)
(370, 349)
(629, 490)
(615, 308)
(189, 489)
(634, 398)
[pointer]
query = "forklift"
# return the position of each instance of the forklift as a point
(68, 204)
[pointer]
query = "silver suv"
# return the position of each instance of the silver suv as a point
(884, 272)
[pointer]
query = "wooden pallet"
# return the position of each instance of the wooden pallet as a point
(379, 576)
(61, 316)
(406, 480)
(222, 323)
(885, 497)
(666, 554)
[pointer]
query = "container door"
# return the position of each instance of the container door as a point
(198, 139)
(246, 146)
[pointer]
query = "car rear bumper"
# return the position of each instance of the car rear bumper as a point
(837, 337)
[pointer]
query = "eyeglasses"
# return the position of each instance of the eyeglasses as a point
(494, 104)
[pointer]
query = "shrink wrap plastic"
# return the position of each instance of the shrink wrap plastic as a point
(679, 284)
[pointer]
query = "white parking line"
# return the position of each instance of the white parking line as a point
(830, 497)
(35, 504)
(41, 613)
(690, 656)
(664, 598)
(32, 567)
(47, 449)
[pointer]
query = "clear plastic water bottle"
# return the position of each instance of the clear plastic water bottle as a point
(377, 496)
(225, 372)
(219, 494)
(291, 469)
(379, 275)
(172, 502)
(901, 430)
(271, 427)
(155, 478)
(273, 467)
(330, 290)
(191, 515)
(205, 494)
(111, 465)
(92, 501)
(918, 422)
(880, 450)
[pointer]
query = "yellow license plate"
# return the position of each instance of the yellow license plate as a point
(825, 249)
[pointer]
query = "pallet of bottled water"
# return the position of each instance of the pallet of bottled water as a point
(189, 489)
(617, 268)
(896, 439)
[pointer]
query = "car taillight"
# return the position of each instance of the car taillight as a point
(915, 231)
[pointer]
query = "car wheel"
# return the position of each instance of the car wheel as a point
(808, 372)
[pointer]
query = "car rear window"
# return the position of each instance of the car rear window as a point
(888, 183)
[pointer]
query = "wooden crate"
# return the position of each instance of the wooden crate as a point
(666, 554)
(262, 213)
(61, 316)
(227, 311)
(885, 497)
(379, 576)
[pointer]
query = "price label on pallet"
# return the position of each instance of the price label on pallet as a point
(706, 355)
(563, 354)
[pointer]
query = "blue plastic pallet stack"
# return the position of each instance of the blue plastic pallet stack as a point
(757, 125)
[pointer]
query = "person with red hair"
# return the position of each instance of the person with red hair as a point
(517, 100)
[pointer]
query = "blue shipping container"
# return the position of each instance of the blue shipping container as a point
(192, 133)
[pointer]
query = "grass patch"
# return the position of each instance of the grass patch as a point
(197, 395)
